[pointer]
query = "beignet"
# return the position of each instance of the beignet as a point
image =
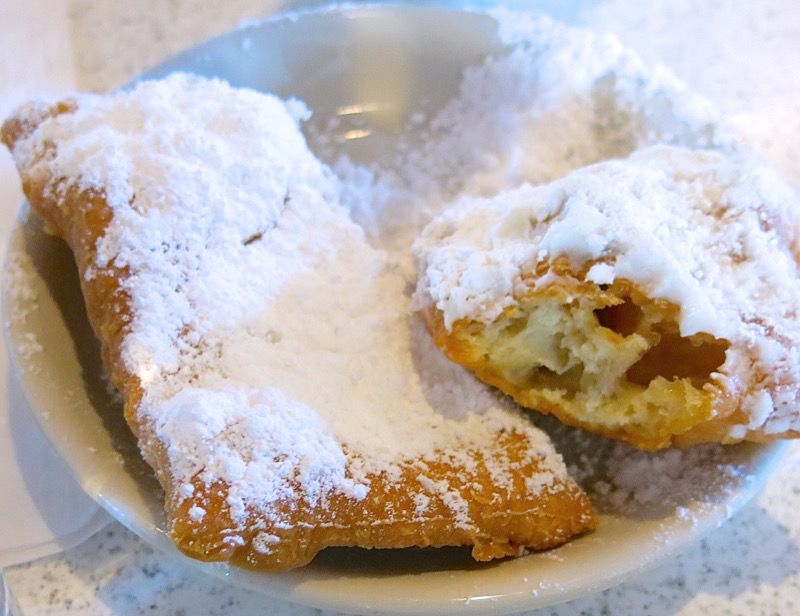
(652, 299)
(269, 361)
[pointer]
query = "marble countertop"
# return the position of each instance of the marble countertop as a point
(739, 53)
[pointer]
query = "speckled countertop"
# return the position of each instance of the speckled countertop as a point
(743, 54)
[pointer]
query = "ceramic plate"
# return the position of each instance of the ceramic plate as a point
(393, 61)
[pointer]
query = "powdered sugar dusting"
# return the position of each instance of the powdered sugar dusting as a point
(629, 483)
(263, 542)
(23, 299)
(252, 439)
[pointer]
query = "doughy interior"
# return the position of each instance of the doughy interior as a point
(618, 368)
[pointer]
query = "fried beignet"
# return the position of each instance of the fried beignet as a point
(268, 358)
(652, 299)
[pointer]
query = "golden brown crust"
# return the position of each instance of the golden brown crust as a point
(501, 522)
(504, 523)
(709, 418)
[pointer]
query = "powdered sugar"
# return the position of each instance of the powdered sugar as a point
(263, 542)
(17, 285)
(251, 439)
(21, 294)
(623, 481)
(733, 219)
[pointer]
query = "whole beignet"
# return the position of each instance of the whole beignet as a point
(651, 299)
(270, 364)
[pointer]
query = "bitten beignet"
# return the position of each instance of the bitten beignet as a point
(652, 299)
(270, 364)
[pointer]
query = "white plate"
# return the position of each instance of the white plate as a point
(386, 57)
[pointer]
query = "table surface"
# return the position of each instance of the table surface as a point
(742, 54)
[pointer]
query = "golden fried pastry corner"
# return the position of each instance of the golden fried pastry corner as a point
(496, 523)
